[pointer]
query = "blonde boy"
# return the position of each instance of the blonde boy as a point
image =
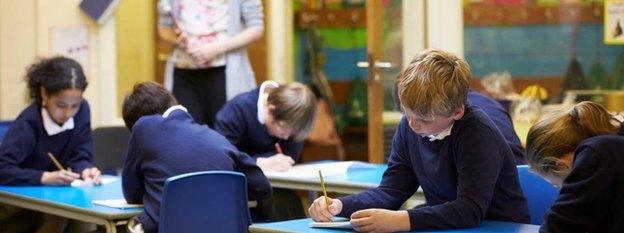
(450, 149)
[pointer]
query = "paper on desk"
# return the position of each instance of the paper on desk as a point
(311, 170)
(104, 179)
(116, 203)
(338, 224)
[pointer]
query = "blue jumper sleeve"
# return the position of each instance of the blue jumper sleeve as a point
(19, 142)
(398, 183)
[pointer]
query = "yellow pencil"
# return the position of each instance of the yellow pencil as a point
(56, 162)
(324, 190)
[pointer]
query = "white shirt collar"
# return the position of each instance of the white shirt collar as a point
(51, 127)
(262, 99)
(173, 108)
(445, 133)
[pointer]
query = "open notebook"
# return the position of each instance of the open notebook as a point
(116, 203)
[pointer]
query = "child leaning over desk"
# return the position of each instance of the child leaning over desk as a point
(166, 142)
(450, 149)
(262, 120)
(57, 122)
(580, 149)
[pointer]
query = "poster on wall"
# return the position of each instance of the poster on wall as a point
(613, 21)
(72, 42)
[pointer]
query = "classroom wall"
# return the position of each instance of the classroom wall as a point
(25, 28)
(279, 15)
(445, 25)
(136, 38)
(548, 47)
(17, 49)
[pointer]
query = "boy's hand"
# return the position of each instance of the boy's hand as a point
(93, 175)
(380, 220)
(275, 163)
(58, 177)
(321, 212)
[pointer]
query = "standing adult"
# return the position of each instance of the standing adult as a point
(209, 38)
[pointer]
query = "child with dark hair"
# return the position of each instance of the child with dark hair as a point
(580, 149)
(166, 142)
(57, 122)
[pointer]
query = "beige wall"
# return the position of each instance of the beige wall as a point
(135, 21)
(25, 34)
(445, 25)
(18, 46)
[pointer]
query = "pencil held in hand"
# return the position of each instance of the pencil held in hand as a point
(56, 162)
(323, 187)
(278, 148)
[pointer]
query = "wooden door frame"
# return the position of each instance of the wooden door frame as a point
(374, 43)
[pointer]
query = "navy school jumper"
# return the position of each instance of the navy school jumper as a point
(467, 177)
(238, 122)
(164, 147)
(502, 120)
(23, 153)
(592, 195)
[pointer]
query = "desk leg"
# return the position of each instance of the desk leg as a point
(111, 227)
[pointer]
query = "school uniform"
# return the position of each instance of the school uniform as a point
(502, 121)
(467, 173)
(24, 150)
(242, 122)
(162, 146)
(592, 195)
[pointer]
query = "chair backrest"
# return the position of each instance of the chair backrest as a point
(4, 127)
(211, 201)
(110, 145)
(539, 193)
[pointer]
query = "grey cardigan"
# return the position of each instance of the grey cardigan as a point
(242, 14)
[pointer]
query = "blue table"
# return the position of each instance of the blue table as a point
(71, 202)
(302, 225)
(360, 176)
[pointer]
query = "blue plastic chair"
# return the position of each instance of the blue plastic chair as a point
(212, 201)
(539, 193)
(4, 127)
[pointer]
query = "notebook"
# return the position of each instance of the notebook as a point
(337, 225)
(116, 203)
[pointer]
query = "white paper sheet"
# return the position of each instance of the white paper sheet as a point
(116, 203)
(311, 170)
(338, 225)
(82, 183)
